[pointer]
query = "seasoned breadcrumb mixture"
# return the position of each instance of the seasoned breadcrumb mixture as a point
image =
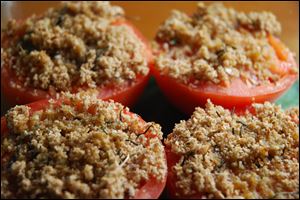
(93, 149)
(228, 156)
(75, 45)
(217, 44)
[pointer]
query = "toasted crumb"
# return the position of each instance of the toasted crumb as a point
(83, 148)
(217, 44)
(293, 112)
(223, 155)
(74, 45)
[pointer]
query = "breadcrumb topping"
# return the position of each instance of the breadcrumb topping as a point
(83, 148)
(223, 155)
(217, 44)
(75, 45)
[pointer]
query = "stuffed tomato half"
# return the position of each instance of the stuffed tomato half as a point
(217, 154)
(233, 58)
(79, 146)
(78, 46)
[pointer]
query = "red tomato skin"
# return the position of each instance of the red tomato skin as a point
(172, 159)
(237, 96)
(126, 94)
(152, 189)
(186, 98)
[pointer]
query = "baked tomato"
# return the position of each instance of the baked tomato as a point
(150, 189)
(213, 155)
(238, 95)
(15, 91)
(231, 57)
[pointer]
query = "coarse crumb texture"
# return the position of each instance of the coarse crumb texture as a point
(217, 44)
(223, 155)
(293, 112)
(84, 148)
(78, 44)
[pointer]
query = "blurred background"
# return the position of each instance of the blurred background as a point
(147, 16)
